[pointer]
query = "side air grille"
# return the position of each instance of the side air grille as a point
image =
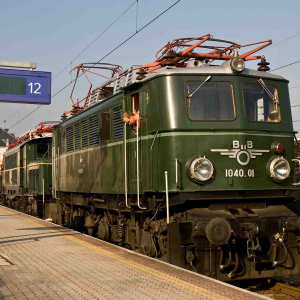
(77, 136)
(34, 181)
(118, 123)
(10, 161)
(14, 177)
(70, 139)
(59, 142)
(7, 178)
(84, 133)
(94, 130)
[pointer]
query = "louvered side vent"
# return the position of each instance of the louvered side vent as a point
(7, 177)
(77, 136)
(34, 180)
(14, 178)
(94, 130)
(118, 124)
(59, 142)
(70, 139)
(84, 133)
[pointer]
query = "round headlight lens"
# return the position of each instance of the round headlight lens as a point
(201, 169)
(280, 168)
(237, 65)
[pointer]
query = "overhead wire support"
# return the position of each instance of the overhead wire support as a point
(117, 47)
(136, 17)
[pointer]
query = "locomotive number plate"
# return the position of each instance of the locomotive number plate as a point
(239, 173)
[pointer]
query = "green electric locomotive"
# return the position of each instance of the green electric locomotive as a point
(186, 160)
(27, 171)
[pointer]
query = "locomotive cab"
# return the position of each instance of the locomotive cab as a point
(226, 142)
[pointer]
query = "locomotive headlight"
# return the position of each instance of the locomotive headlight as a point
(279, 169)
(201, 169)
(237, 65)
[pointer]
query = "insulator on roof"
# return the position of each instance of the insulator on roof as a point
(263, 65)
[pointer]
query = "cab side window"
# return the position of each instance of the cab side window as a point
(105, 127)
(135, 103)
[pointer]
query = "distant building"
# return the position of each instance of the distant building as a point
(5, 139)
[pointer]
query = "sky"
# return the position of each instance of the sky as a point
(53, 33)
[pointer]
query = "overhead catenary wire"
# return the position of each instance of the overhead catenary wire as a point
(289, 38)
(295, 62)
(90, 44)
(113, 50)
(294, 86)
(14, 113)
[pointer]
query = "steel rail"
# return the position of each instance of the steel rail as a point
(287, 289)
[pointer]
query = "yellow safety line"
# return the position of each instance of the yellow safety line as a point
(160, 275)
(35, 164)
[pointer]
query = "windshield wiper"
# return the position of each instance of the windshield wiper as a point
(198, 86)
(269, 93)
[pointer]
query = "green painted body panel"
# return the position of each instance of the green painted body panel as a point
(184, 145)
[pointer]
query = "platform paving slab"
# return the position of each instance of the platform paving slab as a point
(40, 260)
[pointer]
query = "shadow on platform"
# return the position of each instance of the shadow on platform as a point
(36, 239)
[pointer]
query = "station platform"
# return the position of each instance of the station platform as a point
(40, 260)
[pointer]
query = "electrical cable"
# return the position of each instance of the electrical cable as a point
(297, 85)
(106, 29)
(295, 62)
(14, 113)
(283, 41)
(117, 47)
(295, 105)
(295, 96)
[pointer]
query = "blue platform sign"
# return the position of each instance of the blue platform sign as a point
(19, 86)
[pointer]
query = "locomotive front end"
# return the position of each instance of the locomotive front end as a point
(229, 141)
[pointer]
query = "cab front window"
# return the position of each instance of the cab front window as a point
(261, 102)
(210, 101)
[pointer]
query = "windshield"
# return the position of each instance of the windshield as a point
(260, 106)
(211, 101)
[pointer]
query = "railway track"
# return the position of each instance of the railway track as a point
(273, 289)
(286, 289)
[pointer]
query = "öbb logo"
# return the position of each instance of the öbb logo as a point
(242, 153)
